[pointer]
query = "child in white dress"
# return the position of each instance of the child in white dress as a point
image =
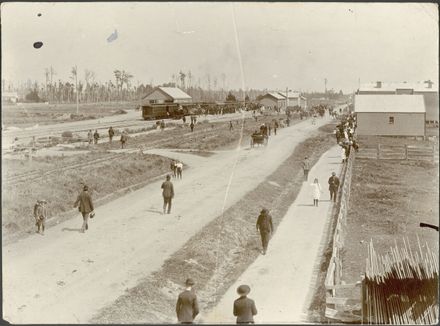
(316, 191)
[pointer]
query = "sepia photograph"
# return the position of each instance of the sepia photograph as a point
(220, 163)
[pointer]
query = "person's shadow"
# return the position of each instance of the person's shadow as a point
(71, 229)
(154, 211)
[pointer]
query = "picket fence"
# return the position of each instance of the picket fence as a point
(345, 308)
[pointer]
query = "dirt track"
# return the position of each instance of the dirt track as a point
(65, 276)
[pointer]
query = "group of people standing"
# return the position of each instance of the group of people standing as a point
(93, 138)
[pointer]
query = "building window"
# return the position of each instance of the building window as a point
(391, 120)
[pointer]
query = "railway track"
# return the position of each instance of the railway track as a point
(35, 175)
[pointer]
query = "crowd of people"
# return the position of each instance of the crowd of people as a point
(345, 135)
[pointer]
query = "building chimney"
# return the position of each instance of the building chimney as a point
(429, 82)
(378, 84)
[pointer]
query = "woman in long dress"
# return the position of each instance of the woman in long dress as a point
(316, 191)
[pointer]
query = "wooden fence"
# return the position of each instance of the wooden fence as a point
(345, 308)
(395, 152)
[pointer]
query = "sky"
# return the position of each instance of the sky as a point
(254, 44)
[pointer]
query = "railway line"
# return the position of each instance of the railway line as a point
(135, 145)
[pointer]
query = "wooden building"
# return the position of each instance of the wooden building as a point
(162, 95)
(390, 115)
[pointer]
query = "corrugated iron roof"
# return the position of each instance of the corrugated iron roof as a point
(175, 93)
(389, 103)
(392, 86)
(275, 95)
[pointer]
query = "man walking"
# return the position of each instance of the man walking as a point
(187, 307)
(244, 308)
(333, 183)
(40, 214)
(111, 133)
(173, 168)
(90, 137)
(192, 126)
(85, 206)
(96, 136)
(168, 194)
(306, 167)
(123, 139)
(265, 226)
(275, 127)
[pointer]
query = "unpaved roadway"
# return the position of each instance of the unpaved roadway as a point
(65, 276)
(281, 280)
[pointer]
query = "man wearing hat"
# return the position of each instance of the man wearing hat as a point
(187, 307)
(85, 203)
(265, 226)
(333, 183)
(306, 168)
(167, 193)
(244, 308)
(40, 214)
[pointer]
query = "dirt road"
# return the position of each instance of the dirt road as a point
(280, 281)
(65, 276)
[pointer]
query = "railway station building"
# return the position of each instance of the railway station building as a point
(430, 94)
(295, 99)
(163, 95)
(273, 99)
(390, 115)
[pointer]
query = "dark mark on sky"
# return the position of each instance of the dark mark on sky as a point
(113, 36)
(38, 45)
(39, 14)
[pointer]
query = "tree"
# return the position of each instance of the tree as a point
(246, 98)
(231, 98)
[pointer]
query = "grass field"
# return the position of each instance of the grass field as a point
(388, 201)
(153, 299)
(111, 173)
(28, 114)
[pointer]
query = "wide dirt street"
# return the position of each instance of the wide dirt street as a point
(65, 276)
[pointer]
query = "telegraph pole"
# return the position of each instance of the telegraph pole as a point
(76, 87)
(325, 85)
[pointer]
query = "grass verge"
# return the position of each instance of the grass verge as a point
(221, 251)
(107, 173)
(388, 201)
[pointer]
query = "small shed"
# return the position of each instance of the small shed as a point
(272, 100)
(390, 115)
(162, 95)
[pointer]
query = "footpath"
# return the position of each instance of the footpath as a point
(282, 281)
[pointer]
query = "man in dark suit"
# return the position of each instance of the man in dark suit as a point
(265, 226)
(187, 307)
(333, 183)
(168, 194)
(85, 207)
(244, 308)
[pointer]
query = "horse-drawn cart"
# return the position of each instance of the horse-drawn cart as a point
(259, 139)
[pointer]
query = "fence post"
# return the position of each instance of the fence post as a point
(406, 152)
(378, 151)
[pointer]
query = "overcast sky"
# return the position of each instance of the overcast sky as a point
(280, 44)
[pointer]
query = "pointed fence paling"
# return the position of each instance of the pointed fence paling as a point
(401, 287)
